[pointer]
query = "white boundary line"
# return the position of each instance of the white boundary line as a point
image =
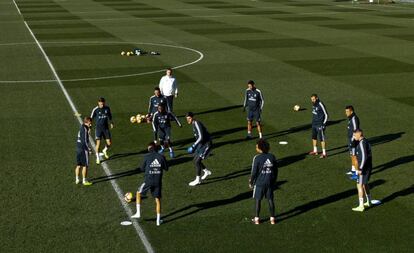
(201, 56)
(17, 7)
(106, 168)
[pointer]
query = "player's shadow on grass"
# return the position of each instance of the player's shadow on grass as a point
(298, 129)
(123, 155)
(221, 109)
(211, 204)
(401, 193)
(393, 163)
(228, 176)
(376, 140)
(116, 176)
(322, 202)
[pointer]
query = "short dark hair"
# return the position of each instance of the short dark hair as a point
(263, 145)
(157, 88)
(170, 69)
(314, 95)
(251, 82)
(87, 119)
(349, 107)
(189, 114)
(101, 99)
(152, 146)
(358, 130)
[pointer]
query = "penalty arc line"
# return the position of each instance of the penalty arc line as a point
(106, 168)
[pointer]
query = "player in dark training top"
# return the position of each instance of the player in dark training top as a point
(253, 101)
(153, 165)
(263, 179)
(82, 151)
(161, 125)
(201, 148)
(319, 120)
(155, 101)
(364, 168)
(353, 124)
(102, 117)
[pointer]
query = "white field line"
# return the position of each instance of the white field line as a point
(201, 56)
(106, 168)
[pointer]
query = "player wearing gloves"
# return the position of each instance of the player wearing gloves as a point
(161, 124)
(319, 120)
(201, 148)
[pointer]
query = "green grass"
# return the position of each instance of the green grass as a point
(362, 55)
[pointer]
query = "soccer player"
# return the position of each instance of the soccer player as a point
(161, 125)
(319, 120)
(364, 168)
(201, 148)
(153, 165)
(103, 123)
(263, 179)
(169, 88)
(353, 124)
(82, 151)
(155, 101)
(253, 100)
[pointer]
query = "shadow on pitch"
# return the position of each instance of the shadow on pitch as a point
(231, 175)
(324, 201)
(376, 140)
(221, 109)
(402, 193)
(116, 176)
(211, 204)
(393, 163)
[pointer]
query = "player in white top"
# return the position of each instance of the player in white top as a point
(169, 88)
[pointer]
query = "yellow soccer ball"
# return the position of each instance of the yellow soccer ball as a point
(133, 119)
(296, 108)
(128, 197)
(123, 53)
(128, 54)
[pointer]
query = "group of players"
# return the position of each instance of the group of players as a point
(264, 166)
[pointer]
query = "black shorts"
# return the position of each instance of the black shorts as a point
(263, 191)
(351, 146)
(254, 115)
(364, 178)
(318, 133)
(102, 133)
(82, 158)
(204, 150)
(164, 134)
(155, 190)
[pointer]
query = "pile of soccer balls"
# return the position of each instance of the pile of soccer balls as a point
(138, 52)
(128, 197)
(140, 118)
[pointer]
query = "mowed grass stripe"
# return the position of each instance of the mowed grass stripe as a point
(361, 26)
(228, 30)
(274, 43)
(74, 35)
(76, 50)
(353, 66)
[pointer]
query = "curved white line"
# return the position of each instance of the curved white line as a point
(201, 56)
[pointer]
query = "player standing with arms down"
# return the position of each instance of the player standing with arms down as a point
(263, 179)
(364, 168)
(169, 88)
(153, 165)
(103, 122)
(353, 124)
(161, 125)
(155, 101)
(253, 100)
(82, 151)
(201, 148)
(319, 120)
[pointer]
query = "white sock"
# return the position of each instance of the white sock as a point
(139, 209)
(368, 196)
(77, 178)
(315, 149)
(158, 218)
(170, 148)
(198, 178)
(361, 201)
(105, 149)
(260, 135)
(353, 168)
(97, 155)
(324, 151)
(84, 180)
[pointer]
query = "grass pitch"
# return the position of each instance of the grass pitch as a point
(358, 54)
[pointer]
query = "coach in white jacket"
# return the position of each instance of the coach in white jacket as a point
(169, 88)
